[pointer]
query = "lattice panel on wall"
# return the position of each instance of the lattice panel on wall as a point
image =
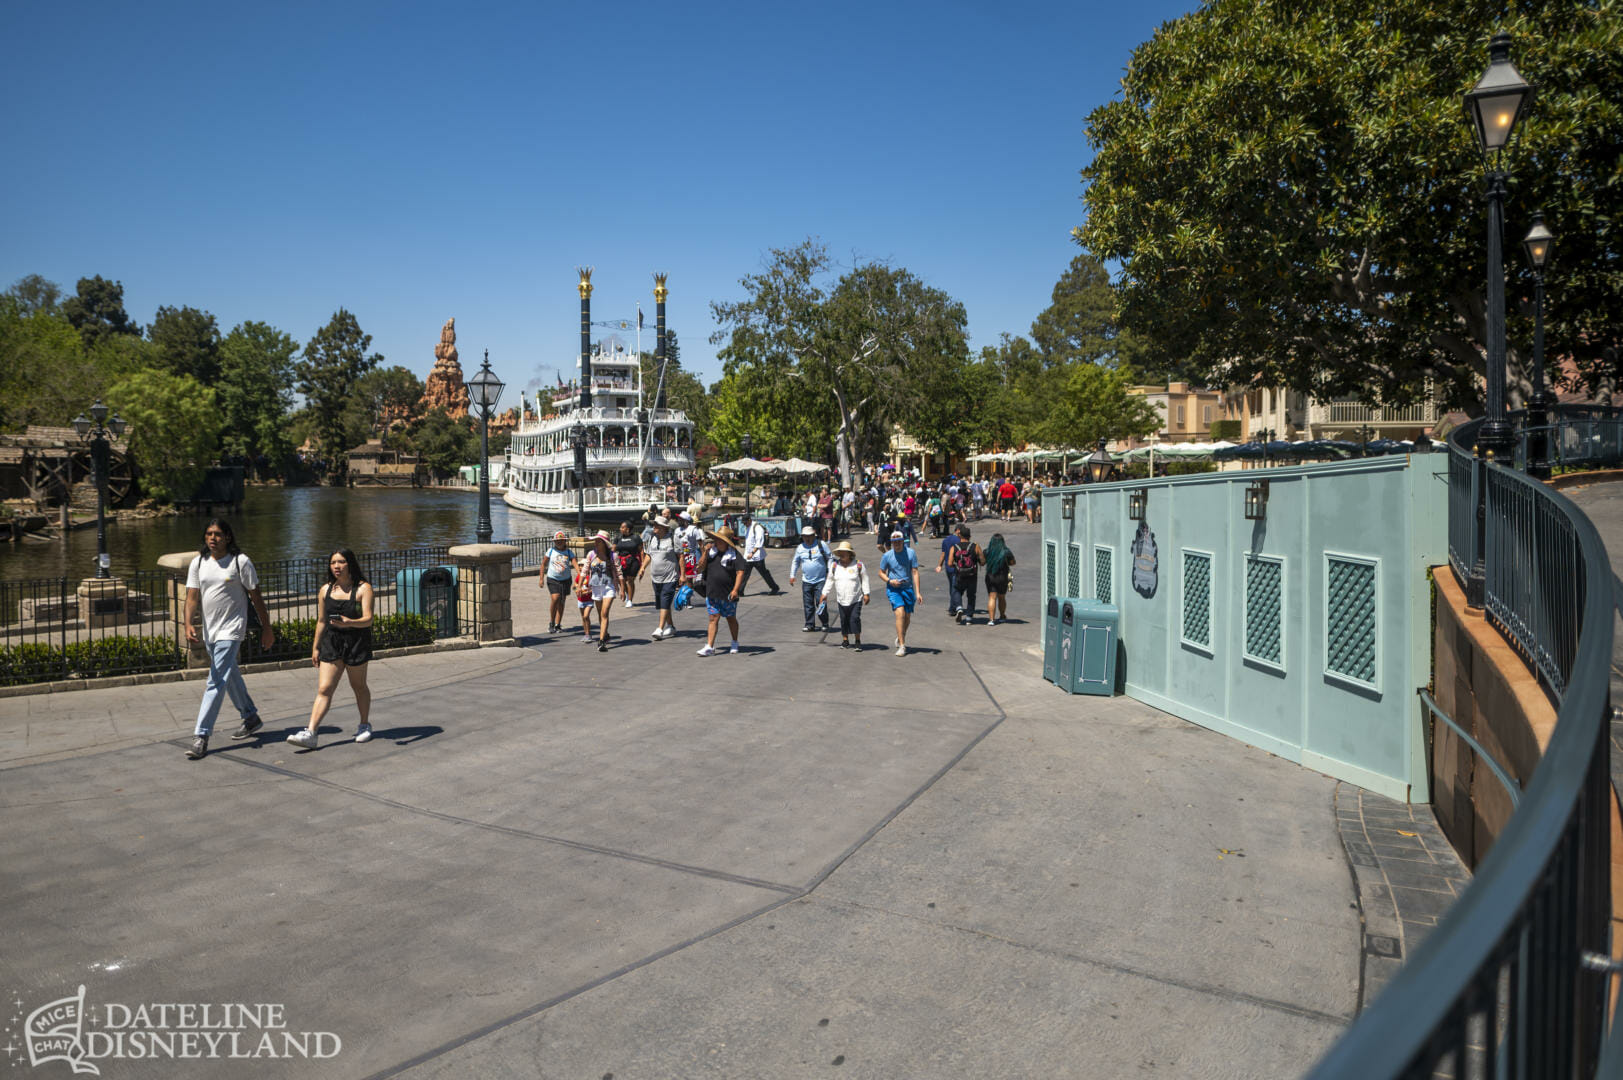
(1197, 598)
(1349, 643)
(1050, 574)
(1104, 574)
(1073, 571)
(1264, 610)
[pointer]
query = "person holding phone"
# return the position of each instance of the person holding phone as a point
(343, 645)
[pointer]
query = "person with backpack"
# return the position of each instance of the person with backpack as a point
(223, 583)
(963, 563)
(847, 584)
(999, 563)
(810, 565)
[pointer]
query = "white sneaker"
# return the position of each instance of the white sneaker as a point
(363, 733)
(734, 648)
(901, 650)
(707, 651)
(303, 737)
(991, 622)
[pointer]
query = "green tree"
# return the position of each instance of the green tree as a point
(1080, 320)
(174, 424)
(255, 387)
(334, 359)
(47, 376)
(188, 342)
(384, 399)
(35, 293)
(864, 347)
(443, 441)
(1295, 196)
(97, 310)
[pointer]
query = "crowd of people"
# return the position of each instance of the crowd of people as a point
(683, 562)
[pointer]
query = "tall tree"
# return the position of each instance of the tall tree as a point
(444, 442)
(385, 399)
(866, 346)
(174, 424)
(188, 342)
(1295, 196)
(35, 293)
(333, 360)
(255, 387)
(1080, 320)
(97, 310)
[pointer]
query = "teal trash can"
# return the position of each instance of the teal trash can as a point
(1051, 638)
(1087, 647)
(430, 591)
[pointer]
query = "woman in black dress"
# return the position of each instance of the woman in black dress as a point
(343, 644)
(628, 551)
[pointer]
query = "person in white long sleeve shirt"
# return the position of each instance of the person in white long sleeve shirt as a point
(755, 555)
(847, 584)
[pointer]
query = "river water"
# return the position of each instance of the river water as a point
(284, 523)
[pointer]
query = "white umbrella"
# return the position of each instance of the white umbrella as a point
(747, 465)
(798, 467)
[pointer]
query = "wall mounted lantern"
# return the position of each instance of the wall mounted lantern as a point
(1136, 501)
(1256, 500)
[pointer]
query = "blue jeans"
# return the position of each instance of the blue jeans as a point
(809, 594)
(225, 678)
(955, 596)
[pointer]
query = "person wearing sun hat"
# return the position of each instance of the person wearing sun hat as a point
(810, 565)
(601, 575)
(721, 567)
(900, 569)
(847, 583)
(555, 577)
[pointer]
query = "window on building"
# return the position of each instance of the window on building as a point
(1206, 416)
(1180, 416)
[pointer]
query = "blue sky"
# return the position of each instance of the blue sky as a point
(413, 162)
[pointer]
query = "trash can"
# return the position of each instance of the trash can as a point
(1087, 647)
(1051, 638)
(429, 591)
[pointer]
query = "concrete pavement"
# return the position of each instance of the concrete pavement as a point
(554, 862)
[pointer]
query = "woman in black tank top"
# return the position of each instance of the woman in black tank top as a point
(343, 644)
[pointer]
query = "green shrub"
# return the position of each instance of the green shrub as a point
(118, 655)
(295, 638)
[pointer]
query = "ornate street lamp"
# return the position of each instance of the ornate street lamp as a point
(1494, 105)
(484, 390)
(1098, 468)
(1537, 243)
(746, 444)
(100, 431)
(577, 440)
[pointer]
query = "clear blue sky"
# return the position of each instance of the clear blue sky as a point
(413, 162)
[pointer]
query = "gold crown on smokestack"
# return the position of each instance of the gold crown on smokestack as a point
(585, 286)
(660, 292)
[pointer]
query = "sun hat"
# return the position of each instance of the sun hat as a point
(725, 535)
(844, 546)
(663, 520)
(807, 530)
(560, 535)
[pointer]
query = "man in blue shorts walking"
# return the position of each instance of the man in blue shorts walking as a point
(900, 569)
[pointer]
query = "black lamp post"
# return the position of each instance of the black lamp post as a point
(1265, 436)
(1537, 243)
(577, 439)
(1494, 105)
(746, 444)
(100, 430)
(484, 389)
(1098, 468)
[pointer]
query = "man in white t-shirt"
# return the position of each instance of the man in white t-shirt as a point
(755, 555)
(223, 582)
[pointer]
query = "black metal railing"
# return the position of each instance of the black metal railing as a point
(1575, 436)
(1507, 984)
(65, 628)
(532, 551)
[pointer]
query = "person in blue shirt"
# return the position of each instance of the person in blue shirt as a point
(810, 565)
(900, 569)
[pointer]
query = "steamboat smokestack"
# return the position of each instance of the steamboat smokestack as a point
(660, 293)
(585, 336)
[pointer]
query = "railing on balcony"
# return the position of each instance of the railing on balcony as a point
(1355, 412)
(1507, 984)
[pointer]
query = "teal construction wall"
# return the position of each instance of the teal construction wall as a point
(1312, 631)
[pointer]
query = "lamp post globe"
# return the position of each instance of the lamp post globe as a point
(1538, 244)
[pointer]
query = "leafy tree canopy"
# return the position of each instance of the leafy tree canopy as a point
(97, 310)
(1295, 196)
(188, 342)
(34, 293)
(334, 359)
(254, 385)
(384, 399)
(174, 423)
(444, 442)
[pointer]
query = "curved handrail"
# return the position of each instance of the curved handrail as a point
(1456, 972)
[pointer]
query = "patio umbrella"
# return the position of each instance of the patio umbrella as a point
(800, 467)
(747, 465)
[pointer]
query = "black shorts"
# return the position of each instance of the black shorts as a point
(352, 648)
(664, 594)
(559, 586)
(1008, 504)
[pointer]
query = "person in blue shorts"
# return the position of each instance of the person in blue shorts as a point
(900, 569)
(722, 568)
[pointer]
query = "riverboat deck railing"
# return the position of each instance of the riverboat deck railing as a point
(1511, 982)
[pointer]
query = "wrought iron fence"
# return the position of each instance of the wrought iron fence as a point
(1576, 435)
(61, 628)
(1510, 982)
(64, 628)
(532, 551)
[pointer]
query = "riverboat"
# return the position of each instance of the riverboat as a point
(638, 450)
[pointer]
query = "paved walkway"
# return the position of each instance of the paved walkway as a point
(554, 862)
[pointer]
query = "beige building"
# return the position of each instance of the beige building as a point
(1186, 413)
(1291, 415)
